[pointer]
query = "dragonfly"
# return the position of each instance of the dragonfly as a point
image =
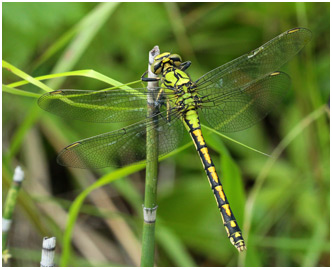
(230, 98)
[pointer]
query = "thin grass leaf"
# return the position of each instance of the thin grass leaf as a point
(285, 243)
(234, 141)
(108, 178)
(83, 37)
(14, 91)
(65, 63)
(84, 73)
(19, 135)
(250, 205)
(25, 76)
(75, 208)
(102, 10)
(314, 247)
(174, 247)
(179, 30)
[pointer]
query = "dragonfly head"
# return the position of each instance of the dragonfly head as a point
(164, 61)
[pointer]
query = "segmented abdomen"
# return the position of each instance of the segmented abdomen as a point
(231, 226)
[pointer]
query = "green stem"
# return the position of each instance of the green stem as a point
(10, 204)
(150, 199)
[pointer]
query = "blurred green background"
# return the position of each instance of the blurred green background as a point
(282, 202)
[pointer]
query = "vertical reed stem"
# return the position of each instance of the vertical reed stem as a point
(48, 252)
(150, 199)
(9, 209)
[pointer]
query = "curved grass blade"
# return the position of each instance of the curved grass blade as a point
(25, 76)
(234, 141)
(77, 50)
(85, 73)
(83, 38)
(11, 90)
(108, 178)
(76, 205)
(102, 10)
(252, 197)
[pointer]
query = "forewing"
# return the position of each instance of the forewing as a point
(254, 65)
(244, 106)
(97, 106)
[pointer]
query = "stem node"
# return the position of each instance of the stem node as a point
(149, 214)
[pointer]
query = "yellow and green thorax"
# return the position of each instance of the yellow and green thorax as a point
(177, 82)
(186, 98)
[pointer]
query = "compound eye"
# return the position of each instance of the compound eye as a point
(176, 59)
(156, 67)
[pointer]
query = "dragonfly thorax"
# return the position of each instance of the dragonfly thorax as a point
(179, 83)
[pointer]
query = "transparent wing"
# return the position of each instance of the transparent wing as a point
(126, 145)
(97, 106)
(245, 106)
(254, 65)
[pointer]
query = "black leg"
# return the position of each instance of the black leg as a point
(168, 106)
(185, 65)
(145, 79)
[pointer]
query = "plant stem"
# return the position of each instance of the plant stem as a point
(10, 206)
(150, 199)
(48, 251)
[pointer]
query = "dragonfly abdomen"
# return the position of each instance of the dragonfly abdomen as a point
(232, 228)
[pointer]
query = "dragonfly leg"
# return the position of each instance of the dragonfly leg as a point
(185, 65)
(168, 115)
(159, 94)
(158, 102)
(145, 79)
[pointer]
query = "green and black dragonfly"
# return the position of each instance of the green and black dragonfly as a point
(230, 98)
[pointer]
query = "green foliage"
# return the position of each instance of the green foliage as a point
(281, 202)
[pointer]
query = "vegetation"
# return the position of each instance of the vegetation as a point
(281, 202)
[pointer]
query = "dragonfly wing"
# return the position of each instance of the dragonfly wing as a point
(97, 106)
(254, 65)
(123, 146)
(244, 106)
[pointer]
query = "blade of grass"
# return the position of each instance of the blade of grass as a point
(85, 73)
(76, 49)
(79, 44)
(297, 130)
(24, 200)
(108, 178)
(174, 247)
(75, 207)
(20, 133)
(19, 92)
(165, 238)
(290, 244)
(101, 10)
(313, 253)
(179, 30)
(234, 141)
(25, 76)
